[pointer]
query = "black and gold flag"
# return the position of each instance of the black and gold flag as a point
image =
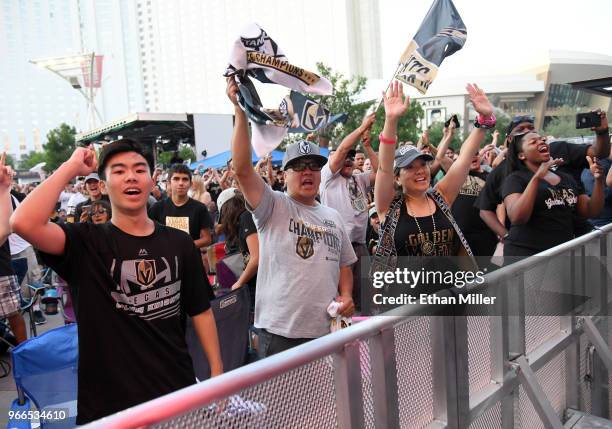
(441, 34)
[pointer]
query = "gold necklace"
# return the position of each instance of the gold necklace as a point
(427, 246)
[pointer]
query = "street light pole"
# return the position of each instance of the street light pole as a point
(69, 69)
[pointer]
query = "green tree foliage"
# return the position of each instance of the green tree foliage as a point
(59, 147)
(10, 161)
(436, 131)
(345, 99)
(185, 152)
(408, 128)
(503, 120)
(31, 159)
(564, 124)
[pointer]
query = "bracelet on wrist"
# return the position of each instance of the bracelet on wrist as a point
(384, 140)
(485, 122)
(603, 132)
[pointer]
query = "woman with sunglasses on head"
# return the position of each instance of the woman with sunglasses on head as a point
(418, 221)
(540, 202)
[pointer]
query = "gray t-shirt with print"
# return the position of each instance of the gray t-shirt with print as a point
(301, 250)
(349, 197)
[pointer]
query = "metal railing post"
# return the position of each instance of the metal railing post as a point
(384, 379)
(513, 325)
(347, 378)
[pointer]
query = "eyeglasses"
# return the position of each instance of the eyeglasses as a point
(302, 165)
(99, 212)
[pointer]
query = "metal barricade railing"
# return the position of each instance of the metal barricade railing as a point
(409, 370)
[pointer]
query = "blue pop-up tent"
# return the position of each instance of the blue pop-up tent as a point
(220, 160)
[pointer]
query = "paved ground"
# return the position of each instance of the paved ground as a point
(7, 385)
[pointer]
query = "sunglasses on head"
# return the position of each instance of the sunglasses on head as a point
(303, 164)
(522, 118)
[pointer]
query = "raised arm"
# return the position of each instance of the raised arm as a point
(251, 183)
(395, 106)
(336, 161)
(442, 160)
(450, 184)
(372, 155)
(31, 219)
(269, 170)
(6, 208)
(601, 148)
(591, 207)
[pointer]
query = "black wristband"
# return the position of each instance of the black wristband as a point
(605, 132)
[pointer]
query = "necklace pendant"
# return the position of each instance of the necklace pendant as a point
(428, 248)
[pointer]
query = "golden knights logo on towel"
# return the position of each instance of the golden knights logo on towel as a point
(254, 54)
(441, 34)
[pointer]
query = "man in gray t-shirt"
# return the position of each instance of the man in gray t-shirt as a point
(348, 193)
(304, 251)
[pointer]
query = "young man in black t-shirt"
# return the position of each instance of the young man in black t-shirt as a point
(181, 212)
(138, 280)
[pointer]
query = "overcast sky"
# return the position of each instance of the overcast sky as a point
(503, 35)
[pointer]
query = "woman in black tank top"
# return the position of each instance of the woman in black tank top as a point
(422, 227)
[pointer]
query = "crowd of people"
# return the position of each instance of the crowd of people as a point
(133, 240)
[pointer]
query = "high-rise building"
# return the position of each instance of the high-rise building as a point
(33, 100)
(185, 45)
(160, 56)
(109, 28)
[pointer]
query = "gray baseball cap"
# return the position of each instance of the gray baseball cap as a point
(92, 176)
(303, 149)
(404, 155)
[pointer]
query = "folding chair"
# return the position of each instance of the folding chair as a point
(45, 372)
(232, 318)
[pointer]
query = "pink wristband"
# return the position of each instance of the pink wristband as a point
(386, 141)
(488, 122)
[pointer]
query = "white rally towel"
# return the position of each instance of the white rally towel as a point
(255, 54)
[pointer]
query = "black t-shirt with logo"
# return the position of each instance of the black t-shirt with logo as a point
(552, 220)
(574, 156)
(481, 239)
(133, 298)
(191, 217)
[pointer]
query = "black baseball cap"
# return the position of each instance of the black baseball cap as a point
(121, 146)
(518, 120)
(404, 155)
